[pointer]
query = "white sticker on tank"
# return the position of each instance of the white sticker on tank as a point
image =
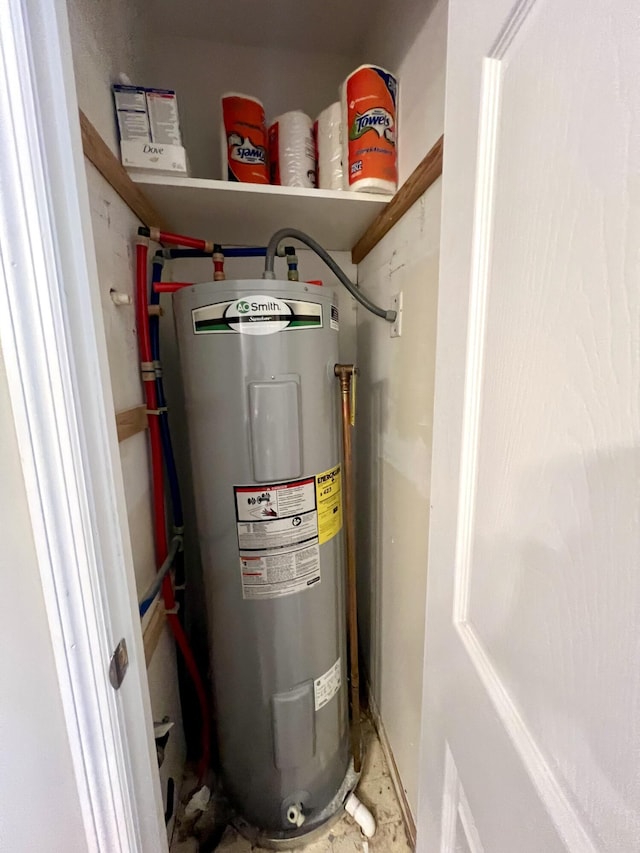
(335, 318)
(326, 687)
(277, 575)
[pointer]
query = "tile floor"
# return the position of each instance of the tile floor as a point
(375, 790)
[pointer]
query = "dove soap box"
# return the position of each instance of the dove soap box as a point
(149, 126)
(139, 155)
(162, 107)
(131, 112)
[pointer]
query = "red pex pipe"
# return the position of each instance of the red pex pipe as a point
(160, 528)
(170, 286)
(180, 240)
(149, 382)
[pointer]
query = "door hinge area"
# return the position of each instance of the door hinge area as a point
(119, 664)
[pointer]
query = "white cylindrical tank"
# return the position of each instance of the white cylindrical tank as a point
(257, 361)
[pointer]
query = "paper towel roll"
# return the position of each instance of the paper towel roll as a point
(329, 147)
(369, 98)
(292, 159)
(243, 139)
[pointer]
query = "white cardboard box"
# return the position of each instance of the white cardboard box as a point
(154, 157)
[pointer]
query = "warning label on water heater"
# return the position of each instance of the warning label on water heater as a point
(278, 538)
(272, 576)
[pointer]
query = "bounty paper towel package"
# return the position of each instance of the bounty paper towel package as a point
(292, 159)
(369, 98)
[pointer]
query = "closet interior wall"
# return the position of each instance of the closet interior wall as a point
(395, 401)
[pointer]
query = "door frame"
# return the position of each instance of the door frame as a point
(53, 342)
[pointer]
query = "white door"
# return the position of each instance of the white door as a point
(68, 471)
(531, 739)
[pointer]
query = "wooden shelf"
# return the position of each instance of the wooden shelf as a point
(248, 214)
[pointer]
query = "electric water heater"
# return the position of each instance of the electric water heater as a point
(257, 360)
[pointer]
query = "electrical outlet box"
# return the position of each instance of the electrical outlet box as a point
(396, 326)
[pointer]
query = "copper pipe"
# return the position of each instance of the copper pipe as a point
(344, 372)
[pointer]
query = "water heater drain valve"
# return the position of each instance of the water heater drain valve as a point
(295, 815)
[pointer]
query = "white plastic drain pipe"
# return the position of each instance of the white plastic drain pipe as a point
(361, 814)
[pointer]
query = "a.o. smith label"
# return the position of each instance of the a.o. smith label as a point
(257, 314)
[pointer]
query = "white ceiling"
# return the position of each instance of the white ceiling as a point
(324, 26)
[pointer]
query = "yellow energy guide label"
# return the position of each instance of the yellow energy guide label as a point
(329, 503)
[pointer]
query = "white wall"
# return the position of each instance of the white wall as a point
(284, 80)
(106, 39)
(39, 805)
(396, 413)
(412, 42)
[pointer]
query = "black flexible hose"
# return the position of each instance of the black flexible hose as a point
(269, 273)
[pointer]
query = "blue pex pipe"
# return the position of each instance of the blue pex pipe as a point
(245, 252)
(229, 252)
(165, 432)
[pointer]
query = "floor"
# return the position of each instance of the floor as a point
(375, 790)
